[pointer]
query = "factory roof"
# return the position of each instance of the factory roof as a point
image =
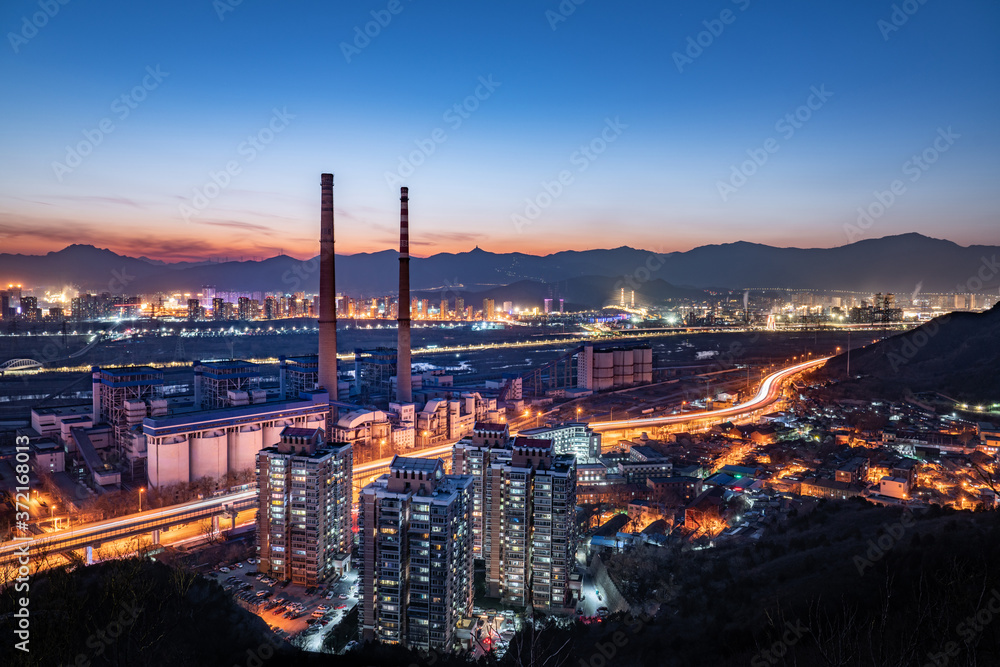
(228, 363)
(215, 418)
(131, 370)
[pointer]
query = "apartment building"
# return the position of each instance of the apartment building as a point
(304, 518)
(530, 525)
(415, 567)
(472, 455)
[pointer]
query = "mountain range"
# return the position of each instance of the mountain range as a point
(903, 263)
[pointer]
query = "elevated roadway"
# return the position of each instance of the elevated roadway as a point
(769, 392)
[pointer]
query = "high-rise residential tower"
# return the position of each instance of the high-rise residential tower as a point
(304, 517)
(415, 572)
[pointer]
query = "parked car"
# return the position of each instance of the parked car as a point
(342, 596)
(239, 565)
(340, 606)
(224, 569)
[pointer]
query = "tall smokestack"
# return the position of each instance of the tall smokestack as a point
(404, 388)
(327, 292)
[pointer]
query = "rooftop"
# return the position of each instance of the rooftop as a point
(414, 464)
(489, 426)
(532, 443)
(131, 370)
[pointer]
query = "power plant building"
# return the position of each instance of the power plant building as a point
(212, 443)
(599, 370)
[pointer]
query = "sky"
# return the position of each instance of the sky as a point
(193, 129)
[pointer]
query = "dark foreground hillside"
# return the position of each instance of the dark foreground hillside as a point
(847, 584)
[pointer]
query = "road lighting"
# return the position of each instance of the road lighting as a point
(141, 489)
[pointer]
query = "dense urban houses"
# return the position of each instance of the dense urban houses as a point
(304, 517)
(415, 575)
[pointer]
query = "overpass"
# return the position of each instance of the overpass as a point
(93, 534)
(768, 394)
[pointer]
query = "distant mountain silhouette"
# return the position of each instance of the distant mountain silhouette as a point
(894, 263)
(956, 354)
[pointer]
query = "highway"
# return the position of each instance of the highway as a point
(133, 524)
(769, 392)
(145, 522)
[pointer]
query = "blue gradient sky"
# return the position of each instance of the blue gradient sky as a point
(656, 185)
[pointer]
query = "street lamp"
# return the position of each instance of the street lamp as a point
(141, 489)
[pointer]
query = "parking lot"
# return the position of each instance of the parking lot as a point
(293, 612)
(492, 629)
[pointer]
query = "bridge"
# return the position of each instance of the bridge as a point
(14, 365)
(93, 534)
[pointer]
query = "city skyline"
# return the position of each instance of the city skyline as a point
(673, 103)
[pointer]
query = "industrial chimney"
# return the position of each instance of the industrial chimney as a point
(404, 388)
(327, 292)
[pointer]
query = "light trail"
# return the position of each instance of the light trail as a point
(769, 392)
